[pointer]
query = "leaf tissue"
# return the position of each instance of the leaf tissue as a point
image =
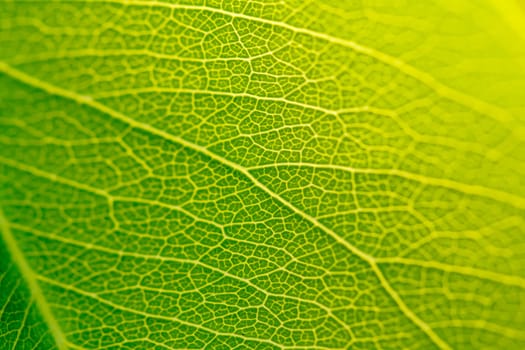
(262, 174)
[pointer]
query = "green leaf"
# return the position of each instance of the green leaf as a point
(262, 174)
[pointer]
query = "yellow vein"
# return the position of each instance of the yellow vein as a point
(283, 100)
(497, 277)
(32, 283)
(484, 326)
(23, 324)
(94, 190)
(477, 190)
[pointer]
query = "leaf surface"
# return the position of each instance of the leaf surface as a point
(262, 175)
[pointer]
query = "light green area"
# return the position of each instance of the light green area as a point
(262, 174)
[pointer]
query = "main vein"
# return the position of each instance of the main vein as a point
(32, 282)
